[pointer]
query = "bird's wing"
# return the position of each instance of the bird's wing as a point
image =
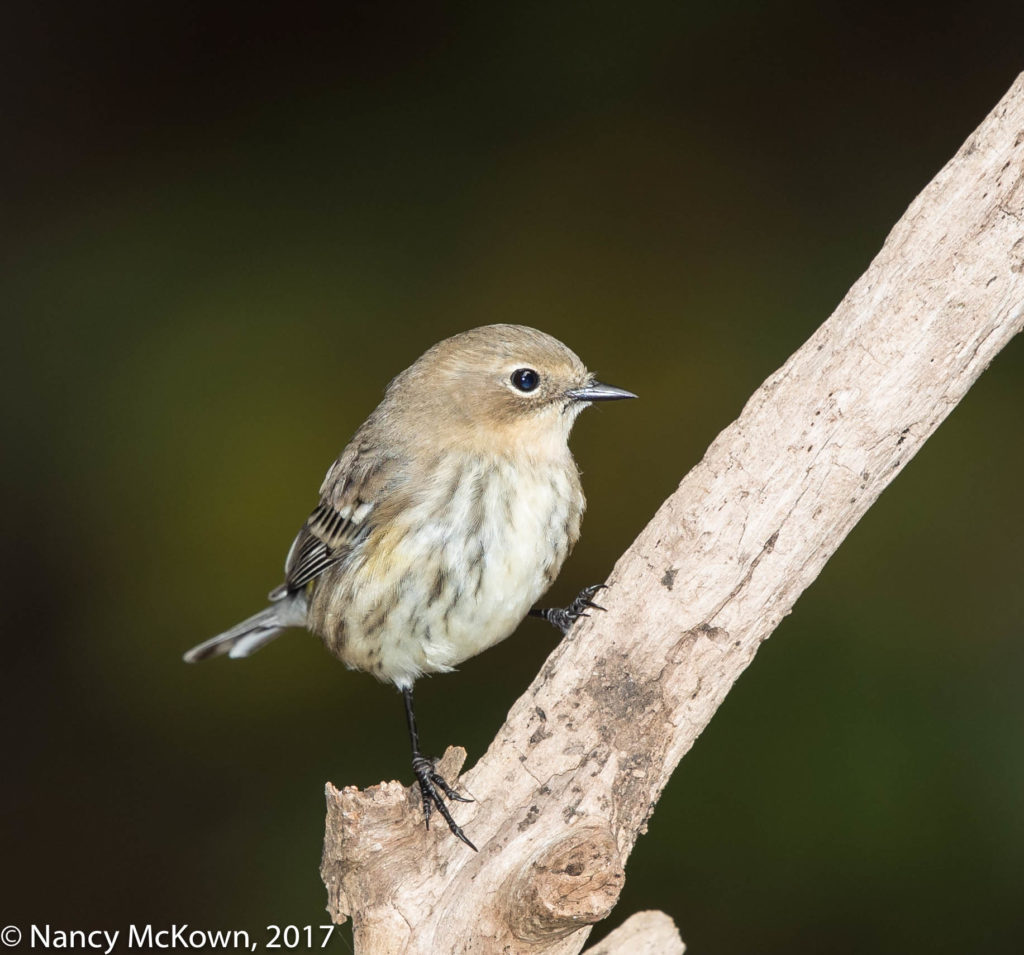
(327, 536)
(349, 495)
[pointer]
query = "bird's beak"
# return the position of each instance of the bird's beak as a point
(597, 391)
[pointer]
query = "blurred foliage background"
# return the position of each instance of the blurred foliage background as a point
(225, 228)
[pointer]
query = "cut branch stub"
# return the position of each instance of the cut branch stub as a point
(574, 882)
(376, 833)
(646, 933)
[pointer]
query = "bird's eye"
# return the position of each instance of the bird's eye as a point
(525, 379)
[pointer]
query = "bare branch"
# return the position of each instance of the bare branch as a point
(570, 780)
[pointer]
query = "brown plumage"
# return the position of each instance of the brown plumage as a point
(448, 514)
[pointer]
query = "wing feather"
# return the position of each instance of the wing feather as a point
(348, 500)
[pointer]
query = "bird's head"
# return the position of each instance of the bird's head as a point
(497, 388)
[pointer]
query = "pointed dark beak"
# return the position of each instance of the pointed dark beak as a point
(596, 391)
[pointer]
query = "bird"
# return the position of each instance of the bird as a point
(445, 518)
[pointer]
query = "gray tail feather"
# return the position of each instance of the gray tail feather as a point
(250, 635)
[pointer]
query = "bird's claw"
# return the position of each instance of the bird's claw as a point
(563, 618)
(429, 782)
(583, 600)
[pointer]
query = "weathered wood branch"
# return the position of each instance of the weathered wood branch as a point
(570, 780)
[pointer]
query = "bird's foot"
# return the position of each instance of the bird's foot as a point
(564, 617)
(430, 781)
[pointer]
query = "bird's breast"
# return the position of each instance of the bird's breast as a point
(454, 571)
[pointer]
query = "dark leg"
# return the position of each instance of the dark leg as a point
(564, 617)
(429, 780)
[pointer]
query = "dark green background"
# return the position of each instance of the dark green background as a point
(225, 228)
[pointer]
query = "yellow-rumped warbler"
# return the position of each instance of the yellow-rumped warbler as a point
(449, 513)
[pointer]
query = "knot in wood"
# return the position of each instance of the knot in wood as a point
(571, 883)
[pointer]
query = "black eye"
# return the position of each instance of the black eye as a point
(525, 379)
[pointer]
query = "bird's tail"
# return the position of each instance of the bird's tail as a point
(252, 634)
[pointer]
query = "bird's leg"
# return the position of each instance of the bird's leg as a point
(430, 780)
(564, 617)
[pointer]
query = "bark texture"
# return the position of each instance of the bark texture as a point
(572, 777)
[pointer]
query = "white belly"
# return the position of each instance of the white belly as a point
(461, 571)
